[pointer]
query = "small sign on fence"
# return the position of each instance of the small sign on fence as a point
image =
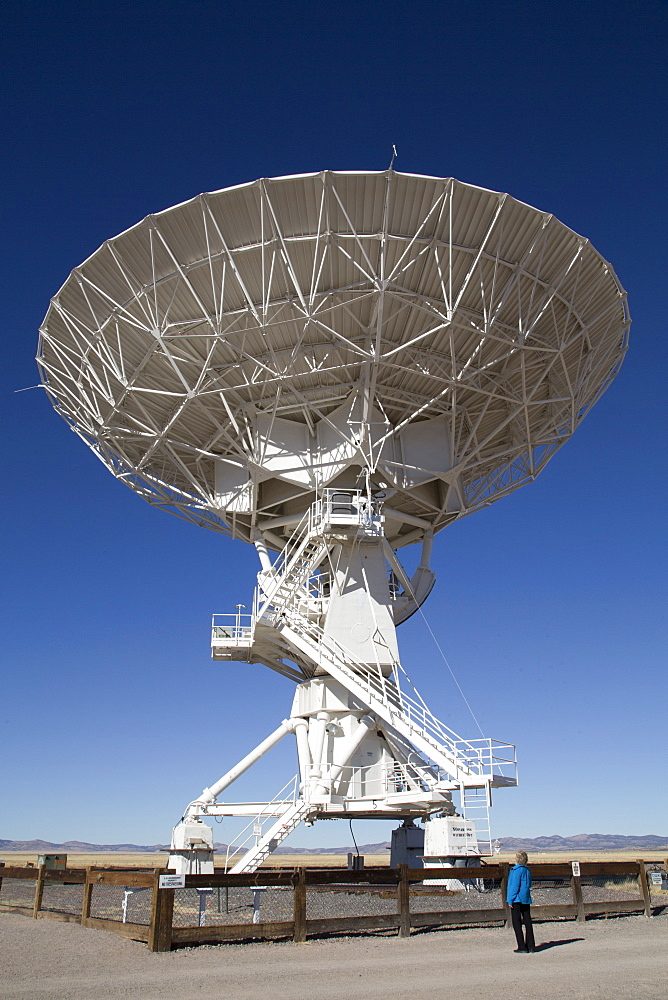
(657, 878)
(172, 881)
(575, 865)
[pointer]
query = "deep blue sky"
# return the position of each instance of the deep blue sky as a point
(550, 605)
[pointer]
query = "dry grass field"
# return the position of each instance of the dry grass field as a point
(119, 860)
(555, 857)
(115, 859)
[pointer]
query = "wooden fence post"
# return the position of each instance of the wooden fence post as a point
(577, 898)
(86, 898)
(504, 891)
(162, 912)
(404, 902)
(644, 887)
(299, 906)
(39, 892)
(2, 865)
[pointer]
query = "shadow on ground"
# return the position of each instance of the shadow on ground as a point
(544, 945)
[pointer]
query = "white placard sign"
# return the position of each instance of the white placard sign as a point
(656, 878)
(575, 865)
(172, 881)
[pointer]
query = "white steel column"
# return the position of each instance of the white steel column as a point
(344, 752)
(209, 795)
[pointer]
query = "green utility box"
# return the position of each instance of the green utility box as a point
(52, 860)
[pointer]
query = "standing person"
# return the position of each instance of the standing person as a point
(519, 896)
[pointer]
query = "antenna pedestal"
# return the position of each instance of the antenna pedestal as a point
(367, 745)
(351, 765)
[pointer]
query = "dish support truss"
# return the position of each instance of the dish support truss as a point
(367, 744)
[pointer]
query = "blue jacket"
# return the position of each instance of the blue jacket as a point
(519, 885)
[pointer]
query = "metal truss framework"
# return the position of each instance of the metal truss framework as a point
(229, 357)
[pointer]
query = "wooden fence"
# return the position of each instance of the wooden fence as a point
(401, 892)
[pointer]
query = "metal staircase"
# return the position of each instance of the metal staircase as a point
(303, 553)
(281, 590)
(274, 836)
(470, 763)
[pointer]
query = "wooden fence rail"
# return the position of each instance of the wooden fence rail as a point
(403, 884)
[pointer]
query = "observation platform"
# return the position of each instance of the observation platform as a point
(232, 637)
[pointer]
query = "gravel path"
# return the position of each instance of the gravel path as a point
(615, 959)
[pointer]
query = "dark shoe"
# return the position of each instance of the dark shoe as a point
(521, 951)
(532, 951)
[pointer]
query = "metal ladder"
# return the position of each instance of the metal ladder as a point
(475, 803)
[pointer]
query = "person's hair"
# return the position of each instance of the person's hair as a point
(521, 857)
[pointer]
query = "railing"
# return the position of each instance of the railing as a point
(479, 757)
(484, 759)
(335, 510)
(217, 907)
(369, 781)
(253, 830)
(301, 532)
(377, 686)
(235, 628)
(350, 509)
(288, 570)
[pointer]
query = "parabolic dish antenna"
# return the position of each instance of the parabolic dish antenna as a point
(229, 357)
(332, 366)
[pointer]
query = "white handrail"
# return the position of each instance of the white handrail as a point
(288, 561)
(394, 699)
(275, 835)
(378, 779)
(477, 757)
(267, 812)
(381, 693)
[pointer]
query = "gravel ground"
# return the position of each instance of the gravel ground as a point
(615, 959)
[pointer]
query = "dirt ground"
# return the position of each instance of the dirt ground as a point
(616, 959)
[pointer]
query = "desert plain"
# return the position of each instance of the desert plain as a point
(116, 859)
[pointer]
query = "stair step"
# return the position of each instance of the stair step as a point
(276, 834)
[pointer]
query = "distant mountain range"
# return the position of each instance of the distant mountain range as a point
(80, 847)
(579, 842)
(585, 842)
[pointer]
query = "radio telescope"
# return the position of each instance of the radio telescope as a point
(331, 367)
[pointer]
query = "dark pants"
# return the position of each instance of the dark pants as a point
(521, 913)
